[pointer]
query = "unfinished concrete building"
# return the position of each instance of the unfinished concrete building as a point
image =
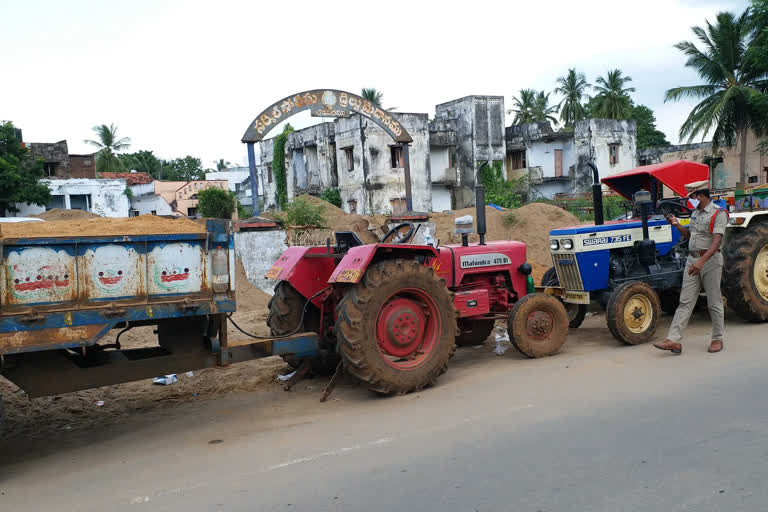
(556, 161)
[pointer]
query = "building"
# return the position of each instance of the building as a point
(724, 164)
(185, 197)
(58, 163)
(361, 160)
(556, 161)
(144, 199)
(105, 197)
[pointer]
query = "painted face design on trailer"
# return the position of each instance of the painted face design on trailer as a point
(110, 267)
(29, 279)
(170, 274)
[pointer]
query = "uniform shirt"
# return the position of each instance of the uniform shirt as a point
(701, 238)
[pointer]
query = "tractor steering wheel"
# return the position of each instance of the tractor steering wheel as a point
(396, 231)
(675, 207)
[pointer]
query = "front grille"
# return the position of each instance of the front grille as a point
(568, 271)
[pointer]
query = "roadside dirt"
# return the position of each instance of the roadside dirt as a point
(100, 226)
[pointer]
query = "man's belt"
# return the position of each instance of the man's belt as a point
(699, 254)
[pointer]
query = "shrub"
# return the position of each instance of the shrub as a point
(303, 213)
(216, 203)
(332, 196)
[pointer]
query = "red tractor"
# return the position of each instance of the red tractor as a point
(394, 312)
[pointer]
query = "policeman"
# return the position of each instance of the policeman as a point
(704, 267)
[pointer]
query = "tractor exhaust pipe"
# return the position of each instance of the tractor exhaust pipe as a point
(597, 195)
(480, 210)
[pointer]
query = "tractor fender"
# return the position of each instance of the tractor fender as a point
(306, 274)
(354, 264)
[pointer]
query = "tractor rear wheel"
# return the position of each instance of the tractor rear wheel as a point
(473, 332)
(284, 318)
(745, 273)
(538, 325)
(396, 328)
(576, 312)
(633, 312)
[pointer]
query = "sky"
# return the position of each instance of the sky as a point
(187, 78)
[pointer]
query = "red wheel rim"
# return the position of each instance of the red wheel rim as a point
(408, 328)
(539, 325)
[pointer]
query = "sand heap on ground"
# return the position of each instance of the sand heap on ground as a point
(100, 226)
(63, 214)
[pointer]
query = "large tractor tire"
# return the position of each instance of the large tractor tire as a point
(538, 325)
(396, 328)
(633, 312)
(285, 309)
(745, 273)
(474, 332)
(576, 312)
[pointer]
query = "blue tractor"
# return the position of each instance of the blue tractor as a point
(632, 267)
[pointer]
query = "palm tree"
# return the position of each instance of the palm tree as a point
(573, 87)
(524, 107)
(542, 111)
(733, 88)
(372, 95)
(222, 164)
(612, 99)
(109, 145)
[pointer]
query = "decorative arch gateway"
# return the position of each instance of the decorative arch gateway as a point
(324, 103)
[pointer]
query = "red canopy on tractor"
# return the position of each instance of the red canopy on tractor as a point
(672, 174)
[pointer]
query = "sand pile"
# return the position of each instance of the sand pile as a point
(530, 224)
(99, 226)
(62, 214)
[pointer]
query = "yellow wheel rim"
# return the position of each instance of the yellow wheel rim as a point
(638, 313)
(760, 272)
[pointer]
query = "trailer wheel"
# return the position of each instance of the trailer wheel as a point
(285, 309)
(633, 312)
(473, 332)
(745, 274)
(396, 328)
(538, 325)
(576, 312)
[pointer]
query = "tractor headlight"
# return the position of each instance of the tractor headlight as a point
(554, 245)
(567, 244)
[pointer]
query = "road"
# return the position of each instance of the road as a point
(600, 427)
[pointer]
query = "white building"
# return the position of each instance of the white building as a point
(105, 197)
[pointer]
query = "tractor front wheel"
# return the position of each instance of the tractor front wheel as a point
(538, 325)
(473, 332)
(633, 312)
(576, 312)
(396, 328)
(285, 309)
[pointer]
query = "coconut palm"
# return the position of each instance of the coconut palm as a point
(372, 95)
(222, 164)
(524, 107)
(612, 99)
(734, 85)
(573, 87)
(109, 145)
(542, 111)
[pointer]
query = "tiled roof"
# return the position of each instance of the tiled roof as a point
(131, 178)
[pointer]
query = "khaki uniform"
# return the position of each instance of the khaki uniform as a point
(709, 277)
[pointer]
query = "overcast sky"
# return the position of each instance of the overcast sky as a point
(187, 77)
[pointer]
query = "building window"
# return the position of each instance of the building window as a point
(269, 172)
(396, 156)
(153, 212)
(352, 205)
(50, 168)
(613, 154)
(133, 213)
(518, 160)
(765, 174)
(398, 206)
(349, 155)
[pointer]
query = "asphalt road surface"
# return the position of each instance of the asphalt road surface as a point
(600, 427)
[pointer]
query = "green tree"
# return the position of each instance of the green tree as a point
(109, 145)
(188, 168)
(222, 164)
(278, 166)
(612, 100)
(648, 136)
(20, 173)
(373, 95)
(542, 110)
(501, 192)
(142, 161)
(573, 87)
(216, 203)
(734, 82)
(524, 107)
